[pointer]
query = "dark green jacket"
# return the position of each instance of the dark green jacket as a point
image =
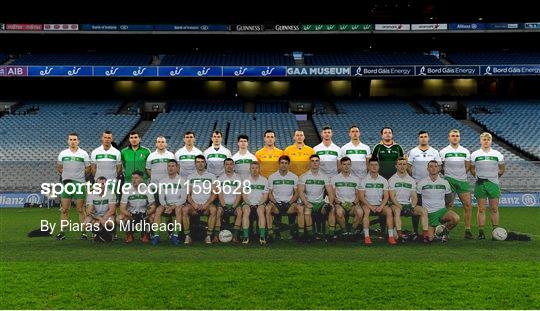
(134, 160)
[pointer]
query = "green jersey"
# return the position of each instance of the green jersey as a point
(387, 157)
(134, 160)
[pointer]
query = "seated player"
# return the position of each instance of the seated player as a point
(435, 194)
(230, 197)
(374, 198)
(101, 207)
(255, 198)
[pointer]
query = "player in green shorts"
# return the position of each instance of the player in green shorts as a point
(487, 165)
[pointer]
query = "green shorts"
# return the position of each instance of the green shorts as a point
(458, 186)
(435, 217)
(71, 187)
(347, 206)
(317, 207)
(487, 189)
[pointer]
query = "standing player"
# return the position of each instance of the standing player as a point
(200, 198)
(311, 189)
(268, 155)
(404, 198)
(215, 154)
(358, 152)
(106, 160)
(101, 207)
(134, 157)
(229, 197)
(73, 163)
(299, 154)
(328, 153)
(456, 163)
(255, 201)
(186, 155)
(487, 165)
(283, 194)
(156, 163)
(434, 195)
(243, 158)
(345, 187)
(374, 197)
(420, 155)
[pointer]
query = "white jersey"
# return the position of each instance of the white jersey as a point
(454, 162)
(137, 202)
(157, 163)
(283, 187)
(199, 194)
(215, 158)
(106, 161)
(358, 155)
(242, 163)
(172, 191)
(487, 164)
(258, 187)
(186, 160)
(345, 187)
(100, 202)
(374, 189)
(419, 160)
(232, 184)
(403, 186)
(314, 185)
(329, 157)
(73, 164)
(433, 193)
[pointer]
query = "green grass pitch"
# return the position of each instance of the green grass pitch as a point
(42, 273)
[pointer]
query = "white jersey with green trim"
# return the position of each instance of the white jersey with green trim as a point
(345, 187)
(374, 188)
(73, 164)
(172, 191)
(357, 154)
(419, 160)
(200, 194)
(258, 187)
(215, 158)
(106, 161)
(137, 202)
(242, 162)
(157, 163)
(403, 186)
(100, 202)
(329, 157)
(487, 164)
(433, 193)
(283, 187)
(454, 161)
(314, 185)
(232, 184)
(186, 160)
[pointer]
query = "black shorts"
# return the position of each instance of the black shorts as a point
(229, 212)
(283, 207)
(138, 217)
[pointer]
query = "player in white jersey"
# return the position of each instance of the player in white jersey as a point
(172, 198)
(404, 199)
(186, 155)
(283, 195)
(230, 196)
(201, 195)
(215, 154)
(358, 152)
(156, 163)
(73, 163)
(420, 155)
(456, 163)
(374, 198)
(435, 194)
(135, 207)
(487, 165)
(101, 206)
(243, 158)
(328, 153)
(106, 160)
(312, 187)
(255, 196)
(345, 186)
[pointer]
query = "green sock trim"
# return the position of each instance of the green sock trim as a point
(262, 232)
(245, 233)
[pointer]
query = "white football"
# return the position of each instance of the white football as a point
(499, 234)
(439, 230)
(225, 236)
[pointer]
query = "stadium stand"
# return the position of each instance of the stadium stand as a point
(3, 58)
(272, 106)
(204, 105)
(429, 106)
(370, 59)
(88, 59)
(228, 59)
(502, 58)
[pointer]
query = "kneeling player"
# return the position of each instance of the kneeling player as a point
(229, 196)
(101, 207)
(404, 199)
(374, 198)
(255, 202)
(435, 194)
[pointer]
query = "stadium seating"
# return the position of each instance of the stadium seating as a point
(502, 58)
(228, 59)
(88, 59)
(272, 106)
(369, 59)
(206, 105)
(429, 106)
(3, 58)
